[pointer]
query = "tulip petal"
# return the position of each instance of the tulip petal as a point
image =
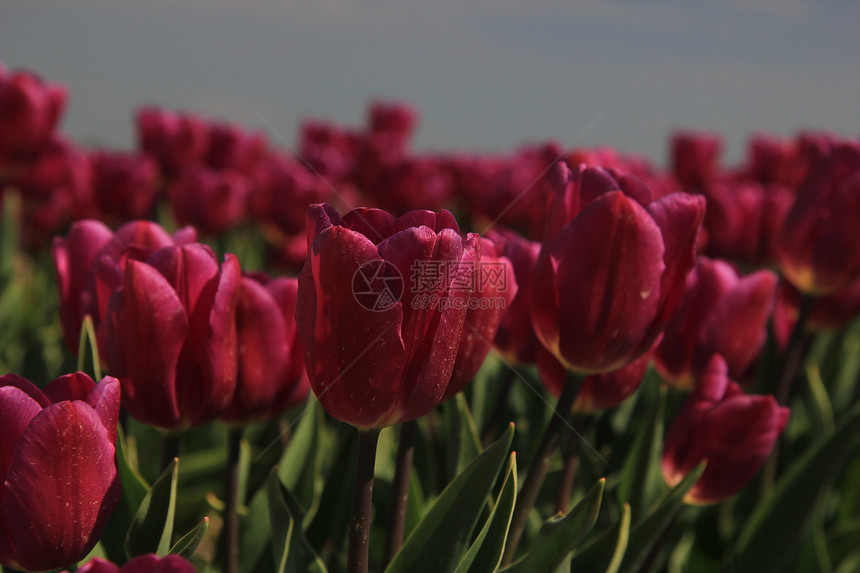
(352, 353)
(142, 344)
(105, 400)
(679, 217)
(16, 411)
(99, 565)
(63, 483)
(609, 278)
(74, 386)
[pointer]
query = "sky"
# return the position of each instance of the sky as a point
(485, 75)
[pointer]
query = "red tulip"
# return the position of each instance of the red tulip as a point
(271, 375)
(169, 335)
(612, 267)
(232, 148)
(142, 564)
(733, 432)
(381, 311)
(516, 337)
(57, 469)
(89, 262)
(818, 250)
(29, 112)
(212, 201)
(495, 288)
(124, 184)
(723, 314)
(695, 159)
(175, 141)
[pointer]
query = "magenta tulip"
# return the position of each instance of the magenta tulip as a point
(57, 468)
(723, 314)
(211, 201)
(731, 431)
(381, 311)
(271, 372)
(612, 267)
(124, 184)
(169, 335)
(29, 112)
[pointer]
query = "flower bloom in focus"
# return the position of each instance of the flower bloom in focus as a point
(169, 335)
(612, 267)
(381, 311)
(57, 468)
(733, 432)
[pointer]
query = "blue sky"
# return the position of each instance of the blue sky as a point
(485, 75)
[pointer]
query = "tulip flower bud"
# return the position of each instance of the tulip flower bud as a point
(612, 268)
(516, 337)
(232, 148)
(57, 468)
(149, 563)
(495, 288)
(723, 314)
(169, 335)
(733, 432)
(175, 141)
(29, 112)
(381, 311)
(124, 184)
(818, 251)
(89, 263)
(695, 158)
(211, 201)
(271, 376)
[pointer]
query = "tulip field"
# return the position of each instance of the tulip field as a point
(221, 352)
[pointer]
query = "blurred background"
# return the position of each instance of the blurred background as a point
(486, 76)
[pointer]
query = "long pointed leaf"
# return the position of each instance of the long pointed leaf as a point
(152, 527)
(188, 543)
(562, 534)
(779, 520)
(440, 540)
(290, 549)
(485, 554)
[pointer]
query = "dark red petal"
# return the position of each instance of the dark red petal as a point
(73, 386)
(16, 411)
(61, 487)
(610, 267)
(142, 342)
(353, 354)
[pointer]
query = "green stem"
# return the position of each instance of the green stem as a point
(362, 498)
(400, 491)
(570, 457)
(540, 465)
(169, 448)
(494, 420)
(231, 511)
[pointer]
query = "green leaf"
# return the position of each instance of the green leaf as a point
(134, 487)
(152, 527)
(780, 519)
(607, 551)
(299, 465)
(440, 540)
(485, 554)
(643, 457)
(329, 526)
(290, 549)
(255, 535)
(642, 536)
(562, 534)
(465, 444)
(88, 342)
(188, 543)
(822, 408)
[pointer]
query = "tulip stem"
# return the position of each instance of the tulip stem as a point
(792, 359)
(169, 448)
(569, 453)
(540, 463)
(362, 498)
(400, 491)
(231, 511)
